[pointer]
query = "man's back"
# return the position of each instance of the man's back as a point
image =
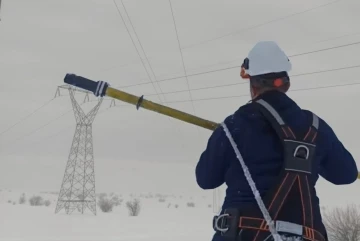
(262, 152)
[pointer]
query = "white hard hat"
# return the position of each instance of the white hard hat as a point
(267, 57)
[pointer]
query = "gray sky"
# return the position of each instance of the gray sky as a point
(42, 40)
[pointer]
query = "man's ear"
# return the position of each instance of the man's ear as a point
(243, 74)
(287, 86)
(253, 91)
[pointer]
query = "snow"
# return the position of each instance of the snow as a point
(156, 221)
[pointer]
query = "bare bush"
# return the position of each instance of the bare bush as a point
(47, 203)
(14, 203)
(133, 207)
(9, 201)
(22, 199)
(342, 224)
(81, 196)
(209, 206)
(105, 204)
(169, 205)
(116, 200)
(36, 201)
(176, 205)
(190, 204)
(102, 195)
(162, 200)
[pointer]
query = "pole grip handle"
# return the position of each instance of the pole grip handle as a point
(97, 87)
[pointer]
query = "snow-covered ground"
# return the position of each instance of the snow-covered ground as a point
(160, 220)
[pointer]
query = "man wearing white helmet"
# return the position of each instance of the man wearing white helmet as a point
(268, 69)
(285, 149)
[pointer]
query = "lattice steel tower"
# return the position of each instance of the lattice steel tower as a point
(78, 185)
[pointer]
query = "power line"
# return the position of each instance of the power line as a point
(294, 90)
(204, 88)
(45, 138)
(156, 81)
(238, 66)
(234, 60)
(325, 71)
(27, 117)
(206, 99)
(246, 95)
(57, 133)
(181, 54)
(180, 77)
(128, 31)
(234, 84)
(335, 47)
(142, 48)
(194, 100)
(41, 127)
(326, 49)
(329, 39)
(138, 39)
(32, 113)
(338, 37)
(259, 25)
(196, 68)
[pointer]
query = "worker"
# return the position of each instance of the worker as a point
(282, 150)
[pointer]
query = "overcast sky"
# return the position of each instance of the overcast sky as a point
(42, 40)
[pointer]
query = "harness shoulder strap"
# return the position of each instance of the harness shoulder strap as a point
(298, 155)
(281, 128)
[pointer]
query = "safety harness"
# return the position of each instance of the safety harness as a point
(299, 150)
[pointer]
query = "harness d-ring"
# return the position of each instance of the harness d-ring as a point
(302, 146)
(217, 224)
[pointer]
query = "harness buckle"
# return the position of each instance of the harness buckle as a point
(289, 227)
(221, 227)
(229, 225)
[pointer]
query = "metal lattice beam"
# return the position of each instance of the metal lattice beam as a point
(78, 187)
(0, 10)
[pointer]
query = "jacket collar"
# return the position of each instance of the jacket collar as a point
(277, 99)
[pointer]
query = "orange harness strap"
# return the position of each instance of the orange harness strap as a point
(257, 224)
(297, 168)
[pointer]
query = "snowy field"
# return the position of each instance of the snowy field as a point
(185, 55)
(161, 218)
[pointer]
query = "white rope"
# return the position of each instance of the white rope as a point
(252, 185)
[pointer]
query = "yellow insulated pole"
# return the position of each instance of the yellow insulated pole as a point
(140, 102)
(102, 88)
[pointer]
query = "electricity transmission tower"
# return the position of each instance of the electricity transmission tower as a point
(78, 186)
